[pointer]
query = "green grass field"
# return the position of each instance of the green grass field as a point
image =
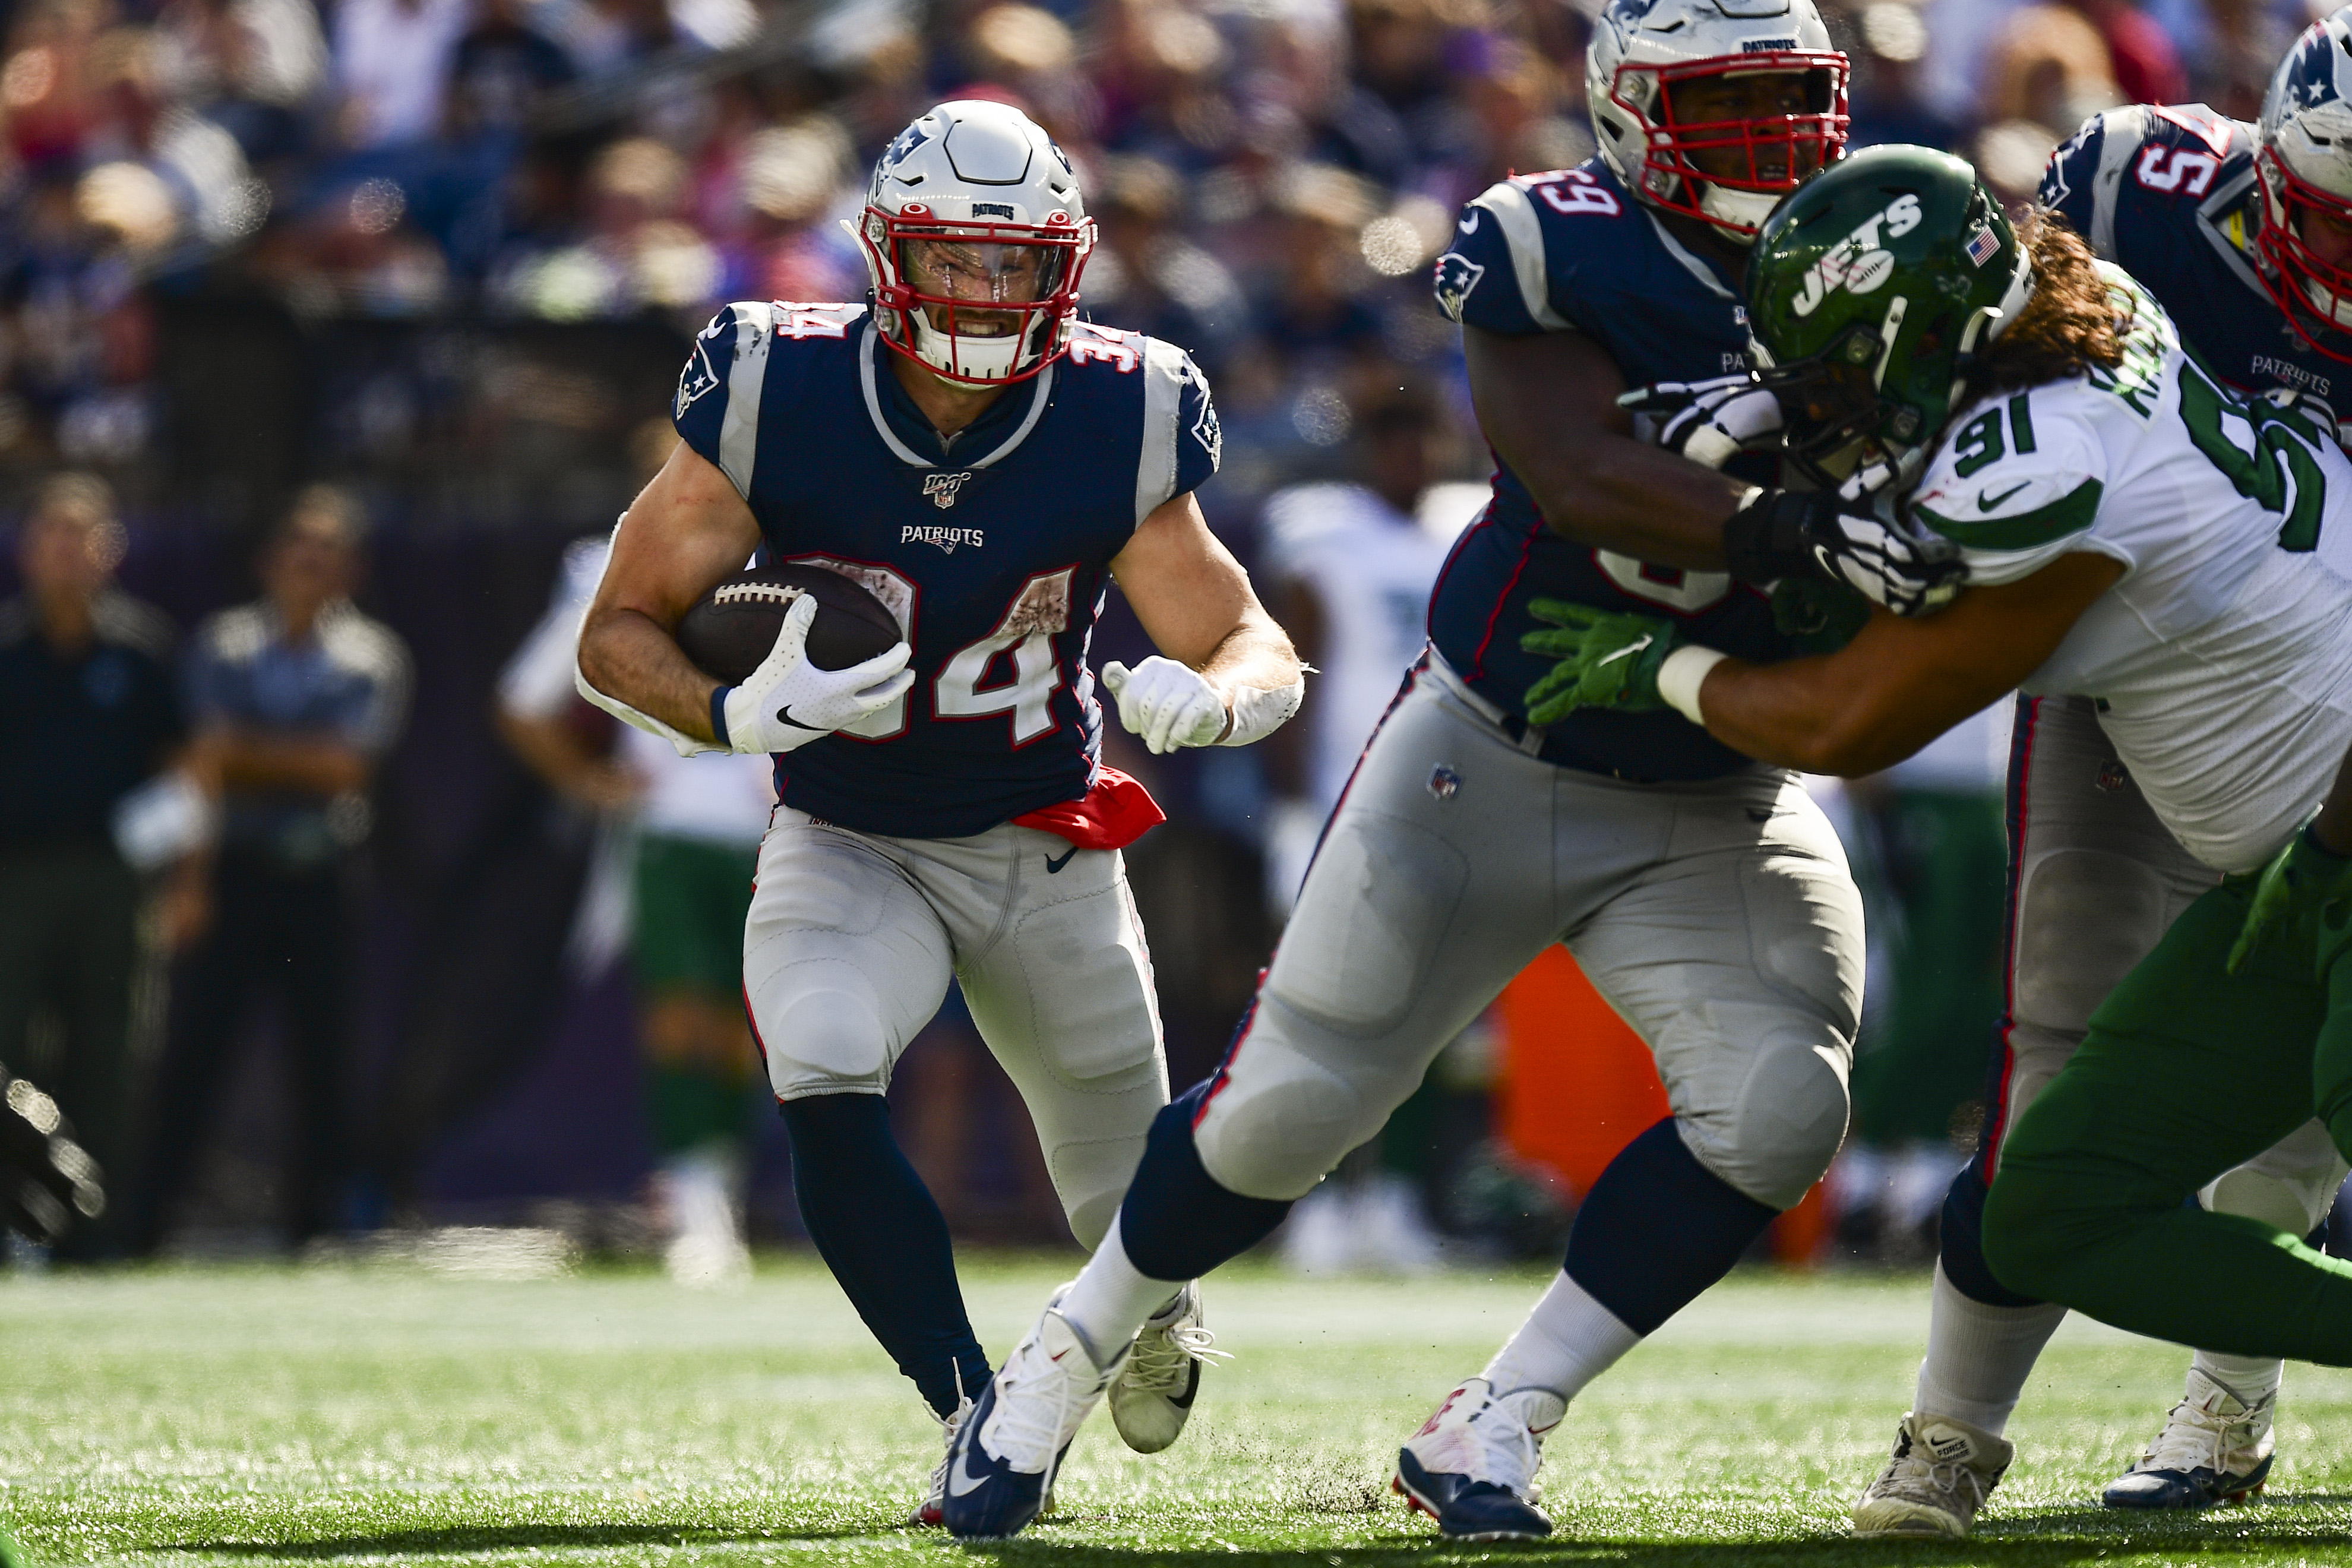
(384, 1415)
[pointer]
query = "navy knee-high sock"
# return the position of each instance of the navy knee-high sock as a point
(878, 1230)
(1657, 1229)
(1176, 1221)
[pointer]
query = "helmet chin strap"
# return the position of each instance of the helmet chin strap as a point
(1746, 208)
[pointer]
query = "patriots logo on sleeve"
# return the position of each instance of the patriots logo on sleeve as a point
(1456, 276)
(1210, 434)
(697, 380)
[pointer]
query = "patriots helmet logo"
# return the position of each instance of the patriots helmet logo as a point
(1456, 275)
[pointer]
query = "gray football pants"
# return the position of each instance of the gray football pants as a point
(852, 938)
(1718, 918)
(2100, 879)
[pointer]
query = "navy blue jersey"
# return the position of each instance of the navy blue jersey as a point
(1570, 251)
(2168, 193)
(991, 550)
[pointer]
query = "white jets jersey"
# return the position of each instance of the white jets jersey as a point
(1371, 567)
(2222, 658)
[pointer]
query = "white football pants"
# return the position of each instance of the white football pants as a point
(1717, 918)
(852, 938)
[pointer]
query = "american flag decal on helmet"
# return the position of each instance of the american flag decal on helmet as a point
(1981, 245)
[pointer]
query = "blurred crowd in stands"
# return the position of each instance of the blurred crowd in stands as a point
(443, 255)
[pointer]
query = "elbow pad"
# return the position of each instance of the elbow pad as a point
(1259, 714)
(685, 745)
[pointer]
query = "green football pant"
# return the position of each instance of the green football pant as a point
(2186, 1071)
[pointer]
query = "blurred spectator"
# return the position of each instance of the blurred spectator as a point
(1933, 859)
(252, 67)
(2050, 72)
(89, 719)
(791, 178)
(2140, 55)
(1889, 102)
(498, 71)
(296, 698)
(1349, 566)
(697, 823)
(392, 63)
(1149, 274)
(632, 251)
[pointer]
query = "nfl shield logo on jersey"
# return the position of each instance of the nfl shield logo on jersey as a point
(1456, 276)
(943, 488)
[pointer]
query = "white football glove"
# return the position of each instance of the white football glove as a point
(1712, 421)
(1778, 534)
(1168, 703)
(788, 701)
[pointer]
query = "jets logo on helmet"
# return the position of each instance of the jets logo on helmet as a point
(2304, 157)
(1715, 109)
(1870, 295)
(974, 234)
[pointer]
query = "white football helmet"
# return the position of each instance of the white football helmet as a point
(974, 236)
(2305, 159)
(1642, 50)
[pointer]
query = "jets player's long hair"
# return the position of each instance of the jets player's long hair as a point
(2069, 326)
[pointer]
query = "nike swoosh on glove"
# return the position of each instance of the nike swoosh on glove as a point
(1168, 704)
(1777, 534)
(1606, 660)
(788, 701)
(1711, 421)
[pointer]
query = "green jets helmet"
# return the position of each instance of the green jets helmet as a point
(1870, 291)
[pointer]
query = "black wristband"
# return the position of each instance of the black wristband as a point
(1764, 540)
(719, 715)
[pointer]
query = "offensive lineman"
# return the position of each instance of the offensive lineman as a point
(2132, 530)
(2244, 235)
(985, 464)
(1705, 898)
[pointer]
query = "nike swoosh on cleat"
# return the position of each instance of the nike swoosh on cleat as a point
(961, 1481)
(784, 716)
(1053, 867)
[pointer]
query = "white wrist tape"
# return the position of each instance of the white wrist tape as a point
(1681, 676)
(1257, 713)
(685, 745)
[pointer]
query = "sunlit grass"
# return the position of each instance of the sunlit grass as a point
(387, 1415)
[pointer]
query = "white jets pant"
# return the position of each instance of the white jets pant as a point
(852, 938)
(2098, 881)
(1717, 918)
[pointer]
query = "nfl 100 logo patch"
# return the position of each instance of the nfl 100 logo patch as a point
(943, 488)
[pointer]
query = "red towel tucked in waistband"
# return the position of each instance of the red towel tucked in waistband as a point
(1113, 815)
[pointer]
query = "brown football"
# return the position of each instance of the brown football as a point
(735, 625)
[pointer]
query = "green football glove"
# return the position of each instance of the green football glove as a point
(2302, 879)
(1606, 660)
(1820, 617)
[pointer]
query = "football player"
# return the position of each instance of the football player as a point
(1704, 896)
(2243, 234)
(987, 465)
(2134, 532)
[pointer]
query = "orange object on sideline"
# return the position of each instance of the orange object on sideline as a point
(1579, 1085)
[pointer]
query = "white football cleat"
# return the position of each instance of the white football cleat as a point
(1940, 1474)
(1153, 1398)
(929, 1511)
(706, 1249)
(2214, 1448)
(1472, 1466)
(1001, 1464)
